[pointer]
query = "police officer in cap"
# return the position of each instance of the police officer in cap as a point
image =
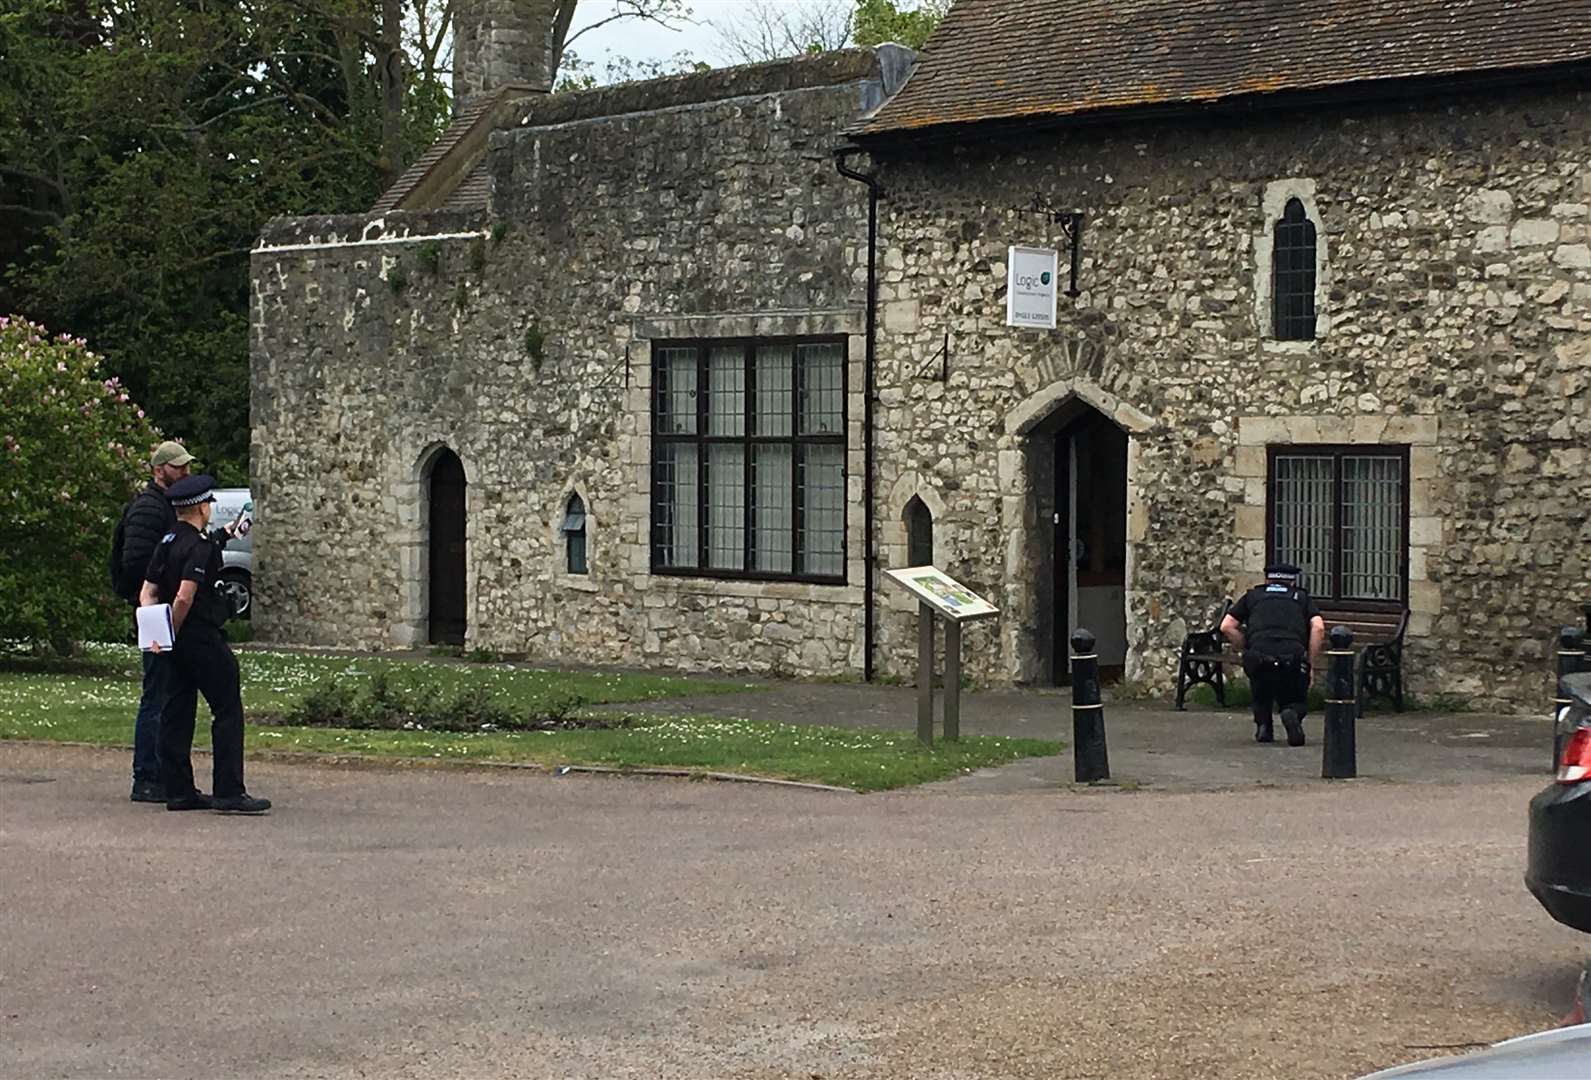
(183, 573)
(1281, 634)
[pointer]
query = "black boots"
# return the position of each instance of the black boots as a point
(1263, 731)
(1294, 726)
(239, 804)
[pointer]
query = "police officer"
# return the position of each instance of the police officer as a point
(1281, 635)
(183, 573)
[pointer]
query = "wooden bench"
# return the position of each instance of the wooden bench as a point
(1378, 669)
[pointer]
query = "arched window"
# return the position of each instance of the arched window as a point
(574, 534)
(919, 533)
(1293, 275)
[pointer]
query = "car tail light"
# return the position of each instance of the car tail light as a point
(1575, 763)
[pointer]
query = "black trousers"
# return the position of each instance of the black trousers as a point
(201, 662)
(1278, 683)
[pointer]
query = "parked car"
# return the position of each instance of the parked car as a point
(1558, 869)
(237, 577)
(1546, 1055)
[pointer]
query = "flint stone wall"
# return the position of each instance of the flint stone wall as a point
(1456, 320)
(521, 340)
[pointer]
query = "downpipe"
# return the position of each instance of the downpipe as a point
(842, 156)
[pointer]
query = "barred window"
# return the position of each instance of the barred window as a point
(1293, 275)
(748, 459)
(1341, 513)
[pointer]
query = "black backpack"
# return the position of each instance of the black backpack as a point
(125, 585)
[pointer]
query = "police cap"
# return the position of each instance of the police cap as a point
(1283, 571)
(192, 490)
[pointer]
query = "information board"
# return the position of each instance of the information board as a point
(943, 593)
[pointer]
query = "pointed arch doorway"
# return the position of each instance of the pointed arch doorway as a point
(1077, 469)
(446, 559)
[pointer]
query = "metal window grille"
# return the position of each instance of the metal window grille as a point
(574, 535)
(1341, 513)
(1372, 529)
(1305, 516)
(748, 478)
(1293, 275)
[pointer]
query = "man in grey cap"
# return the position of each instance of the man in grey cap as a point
(144, 521)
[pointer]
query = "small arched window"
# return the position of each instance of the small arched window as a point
(919, 533)
(574, 534)
(1293, 275)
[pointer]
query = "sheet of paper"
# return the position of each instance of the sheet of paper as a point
(154, 626)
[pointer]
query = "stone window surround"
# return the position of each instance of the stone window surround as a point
(411, 538)
(1427, 526)
(895, 537)
(636, 449)
(1278, 193)
(558, 546)
(1017, 502)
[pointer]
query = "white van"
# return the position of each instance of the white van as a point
(237, 577)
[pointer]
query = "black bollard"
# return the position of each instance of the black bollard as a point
(1571, 659)
(1339, 759)
(1089, 759)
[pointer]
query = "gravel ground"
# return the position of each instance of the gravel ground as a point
(449, 923)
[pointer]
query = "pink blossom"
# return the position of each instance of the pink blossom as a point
(60, 365)
(140, 414)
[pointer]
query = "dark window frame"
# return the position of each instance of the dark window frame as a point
(1294, 251)
(1338, 451)
(575, 539)
(747, 439)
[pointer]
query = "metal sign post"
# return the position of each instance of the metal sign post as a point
(939, 596)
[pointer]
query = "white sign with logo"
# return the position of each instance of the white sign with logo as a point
(1030, 287)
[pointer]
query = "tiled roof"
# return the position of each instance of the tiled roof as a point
(472, 190)
(1009, 60)
(463, 139)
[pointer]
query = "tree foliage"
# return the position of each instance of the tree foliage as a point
(74, 448)
(769, 30)
(142, 145)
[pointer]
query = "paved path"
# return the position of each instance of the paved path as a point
(453, 924)
(1152, 745)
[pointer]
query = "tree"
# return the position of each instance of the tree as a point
(773, 31)
(878, 21)
(74, 448)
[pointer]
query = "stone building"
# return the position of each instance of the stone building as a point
(592, 384)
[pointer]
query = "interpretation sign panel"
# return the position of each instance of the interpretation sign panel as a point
(947, 596)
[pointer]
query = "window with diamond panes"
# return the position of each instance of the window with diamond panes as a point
(1293, 275)
(748, 474)
(1341, 514)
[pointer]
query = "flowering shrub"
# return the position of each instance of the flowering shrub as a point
(73, 450)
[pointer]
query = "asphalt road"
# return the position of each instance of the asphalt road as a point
(471, 924)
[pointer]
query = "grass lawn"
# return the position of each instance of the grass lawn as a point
(94, 703)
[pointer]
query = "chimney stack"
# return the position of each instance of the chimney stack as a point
(496, 42)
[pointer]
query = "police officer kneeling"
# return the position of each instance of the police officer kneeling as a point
(1285, 636)
(183, 572)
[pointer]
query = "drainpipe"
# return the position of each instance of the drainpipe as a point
(870, 558)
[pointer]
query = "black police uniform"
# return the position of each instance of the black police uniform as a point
(1276, 619)
(199, 662)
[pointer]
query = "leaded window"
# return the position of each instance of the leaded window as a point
(1341, 514)
(574, 535)
(748, 459)
(1293, 275)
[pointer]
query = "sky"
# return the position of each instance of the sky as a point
(641, 40)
